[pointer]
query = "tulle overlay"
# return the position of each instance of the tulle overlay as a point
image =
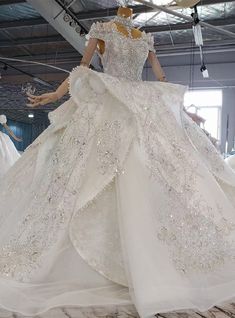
(121, 200)
(8, 154)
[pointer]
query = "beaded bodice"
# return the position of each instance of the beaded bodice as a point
(124, 57)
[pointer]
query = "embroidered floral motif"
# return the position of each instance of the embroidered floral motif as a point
(108, 147)
(50, 210)
(204, 145)
(124, 57)
(196, 241)
(186, 223)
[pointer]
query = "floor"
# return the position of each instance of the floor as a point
(126, 312)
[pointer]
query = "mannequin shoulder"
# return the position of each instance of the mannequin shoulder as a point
(102, 26)
(136, 33)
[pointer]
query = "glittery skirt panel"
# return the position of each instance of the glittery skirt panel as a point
(69, 169)
(231, 161)
(176, 204)
(118, 191)
(8, 154)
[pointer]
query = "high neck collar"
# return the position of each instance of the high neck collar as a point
(127, 22)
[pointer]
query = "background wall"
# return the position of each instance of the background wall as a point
(228, 118)
(221, 67)
(180, 67)
(27, 132)
(21, 130)
(13, 105)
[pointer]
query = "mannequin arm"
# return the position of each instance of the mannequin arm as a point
(10, 132)
(156, 67)
(86, 60)
(64, 87)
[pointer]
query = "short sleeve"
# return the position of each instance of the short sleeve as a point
(150, 41)
(98, 30)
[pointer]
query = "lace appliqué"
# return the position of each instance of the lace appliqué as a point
(196, 242)
(52, 205)
(189, 228)
(99, 31)
(92, 129)
(150, 40)
(99, 220)
(188, 224)
(108, 145)
(124, 56)
(204, 145)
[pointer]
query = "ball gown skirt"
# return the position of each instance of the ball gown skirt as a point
(231, 161)
(8, 154)
(122, 200)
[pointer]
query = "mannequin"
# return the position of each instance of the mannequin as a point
(8, 153)
(127, 13)
(10, 132)
(93, 45)
(3, 122)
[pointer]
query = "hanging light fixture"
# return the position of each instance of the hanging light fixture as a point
(73, 23)
(67, 18)
(197, 32)
(78, 29)
(31, 115)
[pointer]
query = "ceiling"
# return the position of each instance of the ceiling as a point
(26, 34)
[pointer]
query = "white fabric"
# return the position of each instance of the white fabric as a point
(3, 119)
(121, 200)
(8, 154)
(130, 54)
(231, 161)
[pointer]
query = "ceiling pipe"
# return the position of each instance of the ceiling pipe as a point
(185, 17)
(33, 62)
(34, 78)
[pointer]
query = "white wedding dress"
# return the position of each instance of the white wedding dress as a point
(122, 200)
(8, 151)
(231, 161)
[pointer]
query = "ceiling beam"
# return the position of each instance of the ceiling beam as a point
(205, 2)
(105, 13)
(186, 25)
(8, 2)
(111, 12)
(210, 45)
(32, 41)
(69, 55)
(22, 23)
(210, 2)
(150, 28)
(186, 18)
(89, 15)
(19, 79)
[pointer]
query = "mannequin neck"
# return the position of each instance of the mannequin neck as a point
(125, 12)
